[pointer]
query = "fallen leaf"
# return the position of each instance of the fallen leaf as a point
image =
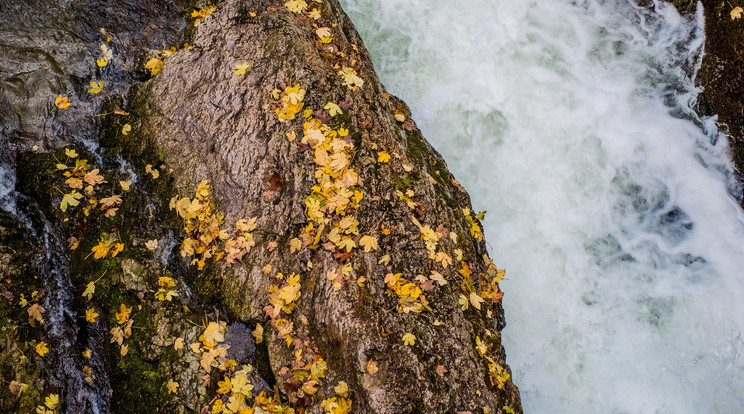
(369, 243)
(241, 68)
(409, 339)
(125, 129)
(258, 333)
(296, 6)
(41, 348)
(62, 102)
(95, 87)
(372, 367)
(172, 386)
(51, 401)
(333, 109)
(91, 315)
(151, 244)
(736, 13)
(124, 350)
(441, 370)
(101, 62)
(154, 65)
(383, 157)
(178, 344)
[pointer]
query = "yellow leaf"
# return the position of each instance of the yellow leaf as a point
(409, 339)
(62, 102)
(101, 62)
(310, 387)
(437, 277)
(736, 13)
(258, 333)
(71, 153)
(151, 244)
(341, 389)
(154, 65)
(172, 386)
(90, 288)
(118, 247)
(372, 367)
(384, 260)
(71, 199)
(152, 171)
(333, 109)
(213, 334)
(463, 301)
(369, 243)
(95, 87)
(91, 315)
(383, 157)
(296, 6)
(87, 353)
(480, 346)
(178, 344)
(224, 387)
(123, 315)
(125, 185)
(51, 401)
(241, 68)
(41, 348)
(125, 129)
(124, 349)
(350, 77)
(295, 245)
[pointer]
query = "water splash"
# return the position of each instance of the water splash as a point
(609, 199)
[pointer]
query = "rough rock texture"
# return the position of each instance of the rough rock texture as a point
(720, 74)
(198, 120)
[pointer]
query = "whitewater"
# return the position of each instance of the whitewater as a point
(609, 201)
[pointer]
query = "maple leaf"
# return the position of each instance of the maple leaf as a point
(341, 389)
(34, 314)
(296, 6)
(71, 199)
(178, 344)
(17, 387)
(93, 177)
(241, 68)
(258, 333)
(372, 367)
(123, 315)
(463, 301)
(172, 386)
(87, 353)
(213, 334)
(441, 370)
(444, 258)
(101, 62)
(51, 401)
(437, 277)
(310, 387)
(369, 243)
(736, 13)
(154, 65)
(294, 245)
(91, 315)
(125, 185)
(108, 54)
(41, 348)
(480, 346)
(90, 288)
(384, 260)
(124, 350)
(225, 386)
(315, 14)
(383, 157)
(118, 247)
(350, 77)
(125, 129)
(152, 171)
(95, 87)
(409, 339)
(151, 244)
(101, 250)
(61, 102)
(333, 109)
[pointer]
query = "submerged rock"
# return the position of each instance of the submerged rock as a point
(363, 283)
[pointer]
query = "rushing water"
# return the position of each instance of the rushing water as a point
(609, 200)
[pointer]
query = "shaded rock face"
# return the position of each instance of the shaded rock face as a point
(720, 74)
(198, 120)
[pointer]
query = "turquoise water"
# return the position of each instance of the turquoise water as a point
(608, 199)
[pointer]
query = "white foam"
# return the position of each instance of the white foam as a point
(621, 243)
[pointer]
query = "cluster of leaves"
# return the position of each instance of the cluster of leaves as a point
(475, 229)
(201, 14)
(290, 101)
(497, 375)
(341, 403)
(486, 288)
(51, 403)
(123, 330)
(304, 374)
(205, 237)
(410, 295)
(80, 177)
